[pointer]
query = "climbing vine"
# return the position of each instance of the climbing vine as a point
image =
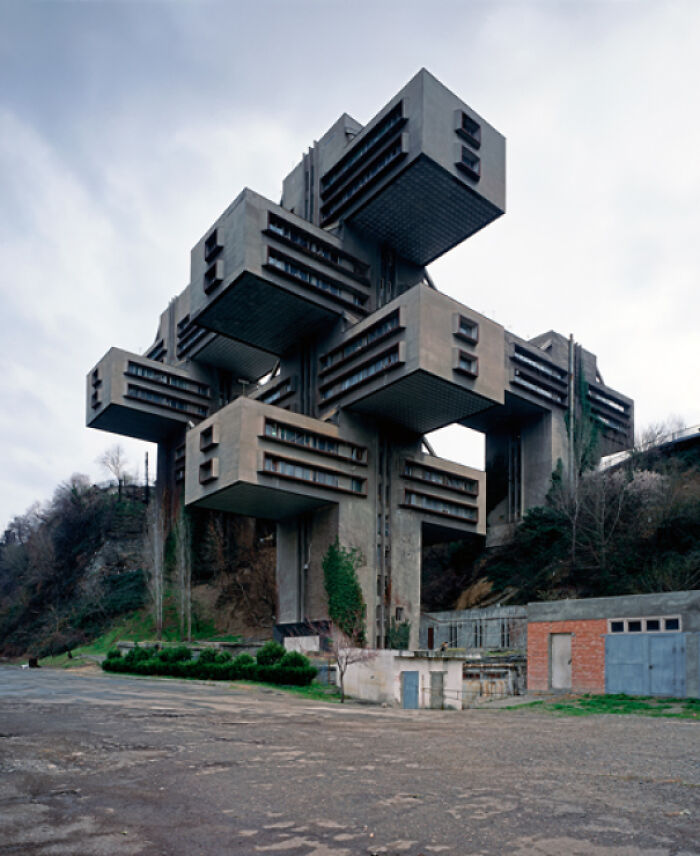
(346, 606)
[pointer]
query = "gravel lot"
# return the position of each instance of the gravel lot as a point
(97, 764)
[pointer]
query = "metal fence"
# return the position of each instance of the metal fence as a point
(471, 631)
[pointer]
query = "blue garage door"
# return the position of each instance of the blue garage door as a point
(645, 664)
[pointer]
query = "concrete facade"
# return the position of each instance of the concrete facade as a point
(296, 375)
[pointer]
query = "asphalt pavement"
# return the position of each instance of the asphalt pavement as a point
(105, 764)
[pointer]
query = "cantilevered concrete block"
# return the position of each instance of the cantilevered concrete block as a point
(423, 175)
(132, 395)
(180, 341)
(265, 277)
(255, 459)
(423, 361)
(448, 498)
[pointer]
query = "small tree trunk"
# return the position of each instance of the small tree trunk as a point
(158, 568)
(184, 573)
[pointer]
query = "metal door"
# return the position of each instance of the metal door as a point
(437, 690)
(667, 665)
(645, 664)
(626, 664)
(409, 690)
(560, 661)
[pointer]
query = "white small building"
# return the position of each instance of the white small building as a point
(407, 678)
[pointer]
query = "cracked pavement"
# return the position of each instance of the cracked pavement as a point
(102, 764)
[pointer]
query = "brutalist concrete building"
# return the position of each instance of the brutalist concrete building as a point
(295, 377)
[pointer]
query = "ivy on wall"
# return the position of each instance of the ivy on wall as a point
(346, 606)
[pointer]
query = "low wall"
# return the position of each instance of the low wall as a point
(303, 644)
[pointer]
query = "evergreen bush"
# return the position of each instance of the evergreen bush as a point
(291, 669)
(270, 653)
(175, 655)
(208, 655)
(294, 660)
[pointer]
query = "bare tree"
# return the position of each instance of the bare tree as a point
(603, 497)
(184, 572)
(242, 569)
(154, 560)
(114, 461)
(345, 653)
(42, 557)
(656, 432)
(21, 527)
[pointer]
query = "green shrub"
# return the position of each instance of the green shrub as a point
(270, 653)
(243, 667)
(223, 657)
(399, 634)
(179, 654)
(208, 655)
(346, 606)
(295, 660)
(294, 676)
(124, 592)
(138, 654)
(114, 654)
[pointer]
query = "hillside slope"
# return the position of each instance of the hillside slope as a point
(84, 563)
(629, 530)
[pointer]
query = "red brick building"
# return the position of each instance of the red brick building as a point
(638, 644)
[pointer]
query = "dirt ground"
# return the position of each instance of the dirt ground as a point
(98, 764)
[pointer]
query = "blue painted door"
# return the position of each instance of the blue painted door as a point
(645, 664)
(667, 665)
(409, 690)
(626, 667)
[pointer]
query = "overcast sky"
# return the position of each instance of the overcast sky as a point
(127, 127)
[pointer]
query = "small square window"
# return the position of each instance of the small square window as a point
(469, 163)
(617, 626)
(653, 624)
(672, 624)
(634, 625)
(468, 364)
(465, 328)
(211, 245)
(213, 276)
(357, 485)
(468, 129)
(209, 438)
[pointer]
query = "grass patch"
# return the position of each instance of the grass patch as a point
(619, 704)
(314, 692)
(138, 627)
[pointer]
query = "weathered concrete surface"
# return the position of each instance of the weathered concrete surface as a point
(110, 765)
